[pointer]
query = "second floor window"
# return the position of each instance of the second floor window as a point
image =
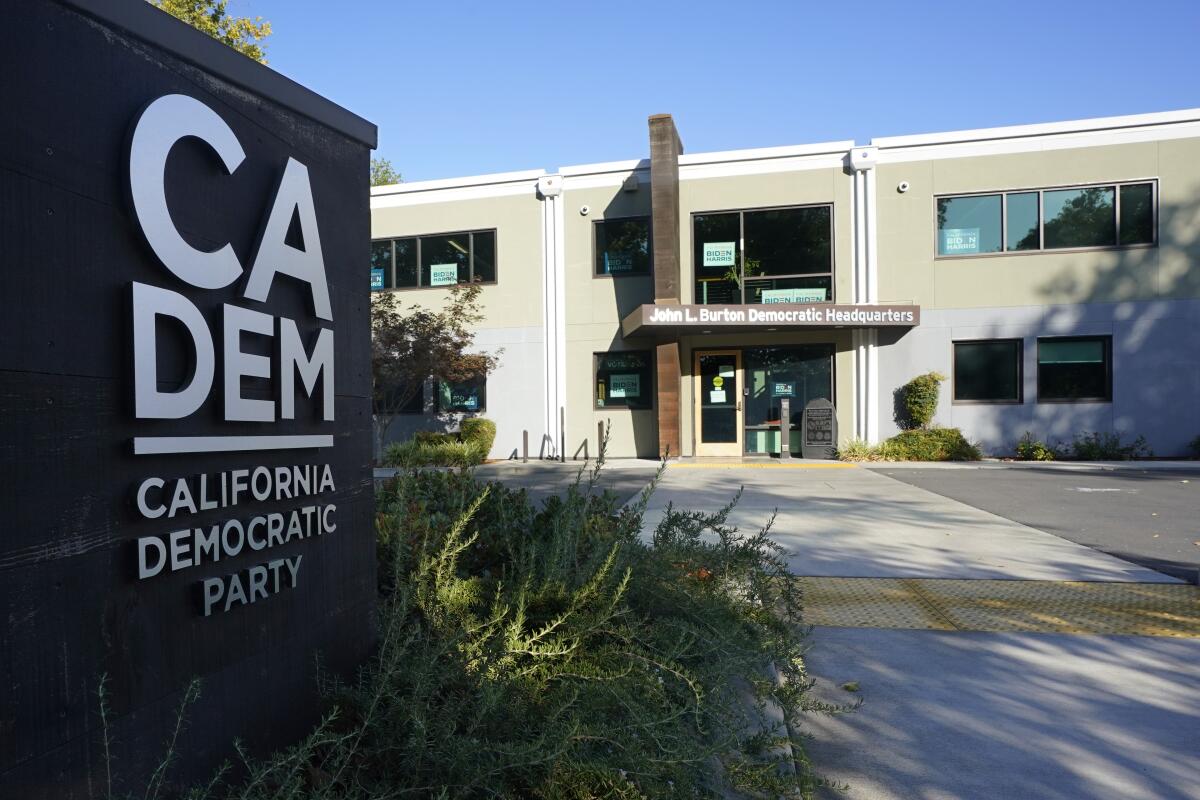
(623, 246)
(772, 255)
(1106, 215)
(432, 261)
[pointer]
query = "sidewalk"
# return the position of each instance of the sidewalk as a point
(929, 605)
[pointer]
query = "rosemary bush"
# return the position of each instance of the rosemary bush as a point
(550, 653)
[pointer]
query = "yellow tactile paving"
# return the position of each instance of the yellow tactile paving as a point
(763, 465)
(1138, 609)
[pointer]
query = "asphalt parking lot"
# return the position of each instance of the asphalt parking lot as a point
(1146, 516)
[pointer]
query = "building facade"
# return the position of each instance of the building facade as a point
(698, 303)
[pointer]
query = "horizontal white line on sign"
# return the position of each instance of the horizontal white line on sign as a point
(154, 445)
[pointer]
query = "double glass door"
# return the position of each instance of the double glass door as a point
(739, 397)
(719, 403)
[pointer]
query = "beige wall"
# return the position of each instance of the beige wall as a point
(909, 271)
(516, 298)
(595, 307)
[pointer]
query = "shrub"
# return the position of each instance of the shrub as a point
(1031, 449)
(435, 452)
(929, 444)
(858, 450)
(919, 400)
(480, 431)
(1194, 446)
(434, 437)
(1099, 446)
(555, 653)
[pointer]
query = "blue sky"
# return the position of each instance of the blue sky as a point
(461, 88)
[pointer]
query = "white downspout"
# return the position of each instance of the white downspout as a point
(549, 188)
(866, 283)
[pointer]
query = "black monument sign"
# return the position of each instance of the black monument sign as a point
(184, 396)
(819, 429)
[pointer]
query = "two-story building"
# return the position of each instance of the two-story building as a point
(1051, 272)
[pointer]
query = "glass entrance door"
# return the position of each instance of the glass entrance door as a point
(718, 391)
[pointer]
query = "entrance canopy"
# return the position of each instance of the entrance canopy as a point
(664, 320)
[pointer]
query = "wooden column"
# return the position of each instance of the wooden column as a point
(665, 149)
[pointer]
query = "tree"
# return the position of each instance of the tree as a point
(411, 346)
(210, 16)
(382, 172)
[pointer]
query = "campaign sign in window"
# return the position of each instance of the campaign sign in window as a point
(443, 274)
(623, 379)
(957, 241)
(719, 254)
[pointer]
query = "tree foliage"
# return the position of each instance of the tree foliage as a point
(212, 17)
(409, 346)
(383, 173)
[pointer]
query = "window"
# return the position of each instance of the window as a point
(801, 373)
(431, 261)
(415, 403)
(773, 255)
(969, 225)
(623, 246)
(624, 380)
(987, 371)
(467, 396)
(1075, 368)
(1110, 215)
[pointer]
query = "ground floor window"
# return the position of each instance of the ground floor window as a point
(1075, 368)
(987, 371)
(467, 396)
(799, 373)
(623, 380)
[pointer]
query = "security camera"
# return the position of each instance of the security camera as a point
(583, 210)
(902, 187)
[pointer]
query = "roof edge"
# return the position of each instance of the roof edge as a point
(457, 183)
(1091, 125)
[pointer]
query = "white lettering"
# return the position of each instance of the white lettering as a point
(293, 197)
(320, 365)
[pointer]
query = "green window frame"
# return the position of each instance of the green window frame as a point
(1100, 216)
(988, 371)
(634, 256)
(425, 262)
(623, 379)
(1074, 369)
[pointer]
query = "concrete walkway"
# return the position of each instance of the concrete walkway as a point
(962, 713)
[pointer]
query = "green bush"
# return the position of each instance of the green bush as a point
(1031, 449)
(434, 437)
(445, 451)
(928, 444)
(1100, 446)
(555, 653)
(919, 400)
(480, 431)
(1194, 446)
(858, 450)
